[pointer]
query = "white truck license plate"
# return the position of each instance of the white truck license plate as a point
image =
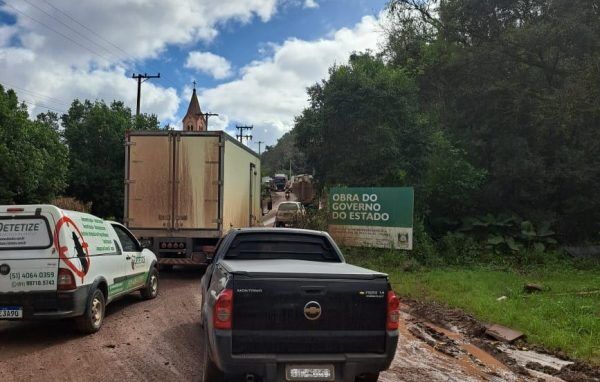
(11, 312)
(310, 373)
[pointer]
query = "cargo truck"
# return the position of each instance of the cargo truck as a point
(184, 190)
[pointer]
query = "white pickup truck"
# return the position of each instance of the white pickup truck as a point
(59, 264)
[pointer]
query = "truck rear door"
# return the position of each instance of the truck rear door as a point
(197, 182)
(150, 181)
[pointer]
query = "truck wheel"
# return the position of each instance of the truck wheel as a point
(151, 289)
(92, 319)
(210, 371)
(367, 377)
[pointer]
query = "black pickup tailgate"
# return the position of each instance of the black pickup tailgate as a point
(308, 307)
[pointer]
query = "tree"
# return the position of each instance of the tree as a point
(95, 134)
(512, 83)
(33, 161)
(362, 127)
(277, 158)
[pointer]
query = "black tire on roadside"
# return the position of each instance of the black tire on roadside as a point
(367, 377)
(210, 371)
(150, 291)
(92, 319)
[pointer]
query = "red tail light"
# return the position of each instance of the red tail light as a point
(223, 310)
(13, 209)
(393, 311)
(66, 280)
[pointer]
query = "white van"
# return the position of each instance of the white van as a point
(57, 264)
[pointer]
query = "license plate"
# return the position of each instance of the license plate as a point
(310, 373)
(11, 312)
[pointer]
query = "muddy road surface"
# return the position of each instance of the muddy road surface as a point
(160, 340)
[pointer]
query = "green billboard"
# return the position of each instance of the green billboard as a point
(372, 216)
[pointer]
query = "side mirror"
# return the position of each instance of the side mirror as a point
(145, 243)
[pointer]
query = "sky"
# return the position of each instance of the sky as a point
(252, 60)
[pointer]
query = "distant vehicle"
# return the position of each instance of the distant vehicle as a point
(289, 214)
(58, 264)
(283, 305)
(303, 188)
(184, 190)
(280, 182)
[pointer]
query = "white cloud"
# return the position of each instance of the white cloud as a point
(311, 4)
(218, 67)
(76, 63)
(271, 91)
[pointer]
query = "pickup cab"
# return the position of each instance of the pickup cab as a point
(283, 305)
(57, 264)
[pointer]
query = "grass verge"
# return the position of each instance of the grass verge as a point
(560, 318)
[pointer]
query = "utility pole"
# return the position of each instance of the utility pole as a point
(206, 115)
(145, 77)
(259, 143)
(240, 135)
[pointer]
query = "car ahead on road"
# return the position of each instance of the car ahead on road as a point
(61, 264)
(283, 305)
(289, 214)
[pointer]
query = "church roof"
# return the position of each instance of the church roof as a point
(194, 108)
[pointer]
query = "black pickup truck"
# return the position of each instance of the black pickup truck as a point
(283, 305)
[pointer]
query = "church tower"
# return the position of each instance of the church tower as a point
(194, 119)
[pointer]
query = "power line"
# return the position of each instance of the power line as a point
(127, 55)
(55, 31)
(36, 94)
(70, 28)
(86, 28)
(37, 104)
(240, 136)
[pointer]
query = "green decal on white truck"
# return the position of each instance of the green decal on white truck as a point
(127, 283)
(372, 216)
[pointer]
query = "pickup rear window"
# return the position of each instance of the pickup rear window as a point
(284, 246)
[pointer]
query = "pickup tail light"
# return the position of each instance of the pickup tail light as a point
(66, 280)
(393, 311)
(223, 310)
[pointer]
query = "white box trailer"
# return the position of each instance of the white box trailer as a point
(184, 190)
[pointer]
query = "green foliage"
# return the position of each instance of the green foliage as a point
(507, 233)
(559, 318)
(95, 134)
(514, 85)
(314, 219)
(450, 184)
(362, 127)
(33, 161)
(276, 159)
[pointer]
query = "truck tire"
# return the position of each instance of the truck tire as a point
(367, 377)
(210, 371)
(92, 319)
(150, 291)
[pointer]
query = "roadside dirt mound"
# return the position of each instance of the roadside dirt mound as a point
(580, 372)
(521, 357)
(449, 318)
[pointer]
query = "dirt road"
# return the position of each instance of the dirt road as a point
(268, 220)
(160, 340)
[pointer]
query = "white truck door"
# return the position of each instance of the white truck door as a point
(135, 268)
